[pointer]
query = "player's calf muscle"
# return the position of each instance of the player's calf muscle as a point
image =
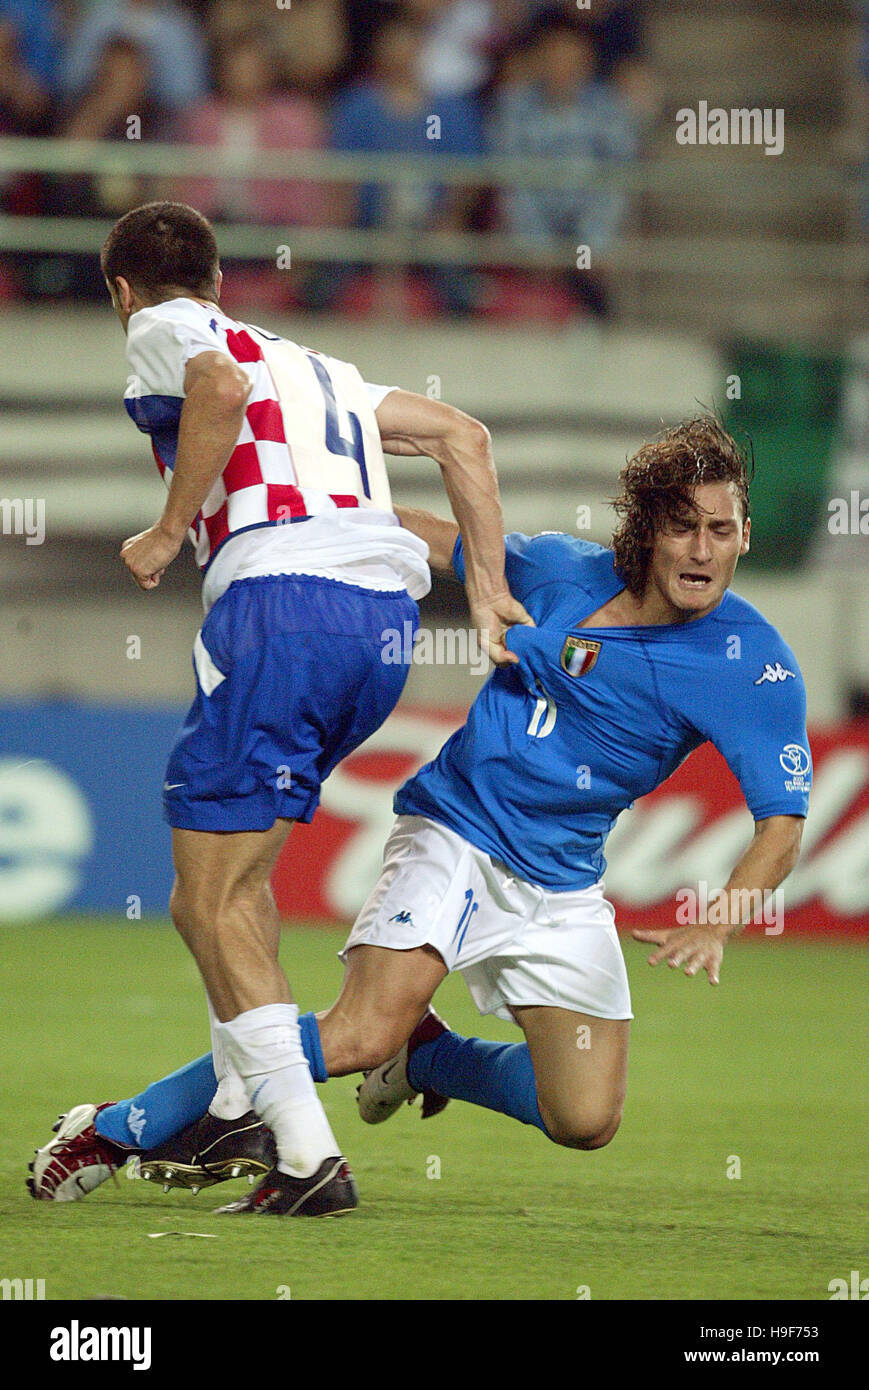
(234, 939)
(200, 904)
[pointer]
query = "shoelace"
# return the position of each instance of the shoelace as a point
(89, 1141)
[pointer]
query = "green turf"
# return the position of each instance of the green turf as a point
(766, 1068)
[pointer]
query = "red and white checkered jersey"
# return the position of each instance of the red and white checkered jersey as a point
(309, 446)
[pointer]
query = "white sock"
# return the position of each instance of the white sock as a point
(230, 1101)
(264, 1045)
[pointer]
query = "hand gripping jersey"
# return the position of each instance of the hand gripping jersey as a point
(591, 718)
(309, 451)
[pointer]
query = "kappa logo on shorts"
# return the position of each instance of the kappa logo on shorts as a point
(579, 654)
(404, 917)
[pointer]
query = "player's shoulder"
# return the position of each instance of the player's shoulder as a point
(561, 544)
(738, 613)
(160, 332)
(559, 556)
(760, 643)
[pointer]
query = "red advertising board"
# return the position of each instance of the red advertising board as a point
(690, 830)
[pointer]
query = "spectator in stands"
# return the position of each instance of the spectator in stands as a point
(247, 115)
(390, 113)
(24, 99)
(35, 25)
(460, 38)
(173, 43)
(618, 32)
(561, 109)
(615, 24)
(116, 105)
(309, 39)
(24, 110)
(620, 61)
(455, 57)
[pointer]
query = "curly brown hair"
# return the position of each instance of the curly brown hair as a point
(657, 488)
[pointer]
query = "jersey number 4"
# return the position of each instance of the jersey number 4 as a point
(354, 447)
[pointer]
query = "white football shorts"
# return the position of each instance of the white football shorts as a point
(513, 942)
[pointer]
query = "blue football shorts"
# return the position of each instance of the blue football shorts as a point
(290, 678)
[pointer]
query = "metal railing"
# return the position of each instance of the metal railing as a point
(59, 156)
(844, 258)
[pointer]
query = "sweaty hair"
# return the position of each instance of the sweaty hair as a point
(163, 246)
(657, 488)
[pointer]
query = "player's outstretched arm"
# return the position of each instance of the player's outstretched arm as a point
(439, 534)
(411, 424)
(770, 857)
(216, 391)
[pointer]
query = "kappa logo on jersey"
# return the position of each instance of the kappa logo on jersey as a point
(795, 760)
(775, 674)
(578, 655)
(405, 917)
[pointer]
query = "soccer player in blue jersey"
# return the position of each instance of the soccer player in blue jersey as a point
(639, 654)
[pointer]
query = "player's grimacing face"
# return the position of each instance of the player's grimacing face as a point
(693, 560)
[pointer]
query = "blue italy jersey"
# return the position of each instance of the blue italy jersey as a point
(591, 718)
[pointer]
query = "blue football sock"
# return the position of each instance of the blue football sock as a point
(164, 1109)
(170, 1105)
(312, 1047)
(499, 1076)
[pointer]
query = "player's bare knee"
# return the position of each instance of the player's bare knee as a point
(573, 1136)
(602, 1138)
(587, 1129)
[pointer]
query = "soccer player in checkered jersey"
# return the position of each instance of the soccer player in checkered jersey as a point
(273, 456)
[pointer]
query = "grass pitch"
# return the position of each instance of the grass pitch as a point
(761, 1076)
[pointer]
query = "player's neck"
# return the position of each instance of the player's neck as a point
(652, 609)
(178, 292)
(655, 609)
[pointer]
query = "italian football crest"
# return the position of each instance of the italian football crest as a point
(578, 655)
